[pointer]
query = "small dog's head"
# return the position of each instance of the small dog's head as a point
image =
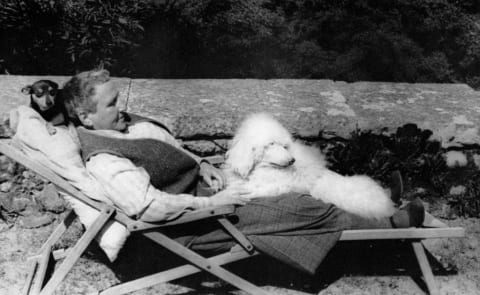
(260, 141)
(42, 94)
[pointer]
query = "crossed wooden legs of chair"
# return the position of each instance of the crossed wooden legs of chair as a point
(36, 280)
(427, 273)
(67, 264)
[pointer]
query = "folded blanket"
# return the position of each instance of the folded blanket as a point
(61, 153)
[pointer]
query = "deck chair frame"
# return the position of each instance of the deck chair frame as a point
(40, 262)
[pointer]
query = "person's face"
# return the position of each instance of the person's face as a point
(107, 115)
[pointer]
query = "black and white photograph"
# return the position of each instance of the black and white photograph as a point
(240, 147)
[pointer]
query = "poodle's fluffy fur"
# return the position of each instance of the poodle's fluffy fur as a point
(266, 160)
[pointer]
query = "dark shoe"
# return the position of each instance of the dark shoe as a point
(412, 215)
(396, 187)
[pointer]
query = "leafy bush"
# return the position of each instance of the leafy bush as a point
(61, 37)
(396, 40)
(420, 161)
(408, 150)
(468, 203)
(352, 40)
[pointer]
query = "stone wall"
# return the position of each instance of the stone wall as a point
(205, 112)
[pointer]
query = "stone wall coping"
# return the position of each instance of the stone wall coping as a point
(196, 109)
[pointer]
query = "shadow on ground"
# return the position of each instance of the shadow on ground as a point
(142, 257)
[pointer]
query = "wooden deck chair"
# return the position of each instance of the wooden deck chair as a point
(35, 281)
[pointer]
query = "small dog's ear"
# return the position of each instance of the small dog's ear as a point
(53, 84)
(27, 90)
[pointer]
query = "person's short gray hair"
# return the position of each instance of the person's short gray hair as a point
(79, 90)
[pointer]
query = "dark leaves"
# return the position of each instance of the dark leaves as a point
(408, 150)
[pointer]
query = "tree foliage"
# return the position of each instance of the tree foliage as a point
(351, 40)
(54, 37)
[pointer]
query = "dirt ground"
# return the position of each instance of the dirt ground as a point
(351, 268)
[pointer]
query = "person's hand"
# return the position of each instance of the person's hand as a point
(214, 177)
(231, 196)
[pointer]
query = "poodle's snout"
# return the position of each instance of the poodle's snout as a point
(291, 162)
(277, 155)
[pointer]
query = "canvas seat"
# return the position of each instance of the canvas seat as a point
(36, 283)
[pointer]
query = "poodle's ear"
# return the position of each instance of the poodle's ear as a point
(241, 158)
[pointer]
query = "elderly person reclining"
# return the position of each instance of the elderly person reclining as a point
(150, 177)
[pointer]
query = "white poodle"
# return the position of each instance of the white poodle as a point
(266, 160)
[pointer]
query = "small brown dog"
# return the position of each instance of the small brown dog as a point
(45, 98)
